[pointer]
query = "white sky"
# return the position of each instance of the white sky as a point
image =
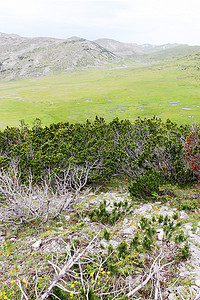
(136, 21)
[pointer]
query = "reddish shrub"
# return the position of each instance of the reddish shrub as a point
(192, 152)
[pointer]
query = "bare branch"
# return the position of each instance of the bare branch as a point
(73, 260)
(22, 291)
(155, 269)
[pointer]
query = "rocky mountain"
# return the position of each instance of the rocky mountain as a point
(22, 57)
(120, 49)
(131, 49)
(30, 57)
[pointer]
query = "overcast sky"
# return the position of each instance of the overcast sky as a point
(137, 21)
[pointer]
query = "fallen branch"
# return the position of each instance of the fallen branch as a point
(23, 293)
(73, 260)
(155, 269)
(197, 297)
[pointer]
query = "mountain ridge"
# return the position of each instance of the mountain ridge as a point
(23, 57)
(131, 49)
(30, 57)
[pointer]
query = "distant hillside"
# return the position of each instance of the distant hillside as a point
(30, 57)
(177, 52)
(131, 49)
(120, 49)
(22, 57)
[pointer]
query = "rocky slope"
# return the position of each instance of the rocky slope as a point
(34, 255)
(120, 49)
(131, 49)
(30, 57)
(22, 57)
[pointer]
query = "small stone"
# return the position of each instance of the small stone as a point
(125, 222)
(36, 245)
(188, 226)
(129, 230)
(172, 296)
(86, 219)
(197, 282)
(13, 239)
(183, 215)
(115, 244)
(160, 234)
(104, 243)
(67, 218)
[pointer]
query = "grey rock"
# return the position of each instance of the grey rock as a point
(129, 230)
(114, 243)
(86, 219)
(104, 243)
(37, 245)
(52, 247)
(172, 296)
(197, 282)
(30, 57)
(67, 218)
(125, 222)
(160, 234)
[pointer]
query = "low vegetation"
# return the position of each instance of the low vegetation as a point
(64, 232)
(168, 89)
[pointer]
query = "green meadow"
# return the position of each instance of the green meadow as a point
(124, 91)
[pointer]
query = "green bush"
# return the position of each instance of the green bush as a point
(103, 216)
(106, 234)
(188, 205)
(116, 148)
(122, 249)
(145, 185)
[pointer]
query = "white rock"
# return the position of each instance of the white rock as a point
(197, 282)
(143, 210)
(2, 240)
(125, 222)
(188, 226)
(104, 243)
(115, 244)
(67, 218)
(129, 230)
(52, 247)
(86, 219)
(109, 208)
(195, 238)
(172, 296)
(183, 215)
(36, 245)
(13, 239)
(160, 234)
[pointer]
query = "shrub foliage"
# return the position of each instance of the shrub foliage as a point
(108, 149)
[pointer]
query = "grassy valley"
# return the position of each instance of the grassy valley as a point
(127, 90)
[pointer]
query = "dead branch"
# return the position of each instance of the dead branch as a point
(24, 203)
(154, 270)
(73, 260)
(197, 297)
(22, 291)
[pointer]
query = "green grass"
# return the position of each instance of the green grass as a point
(164, 90)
